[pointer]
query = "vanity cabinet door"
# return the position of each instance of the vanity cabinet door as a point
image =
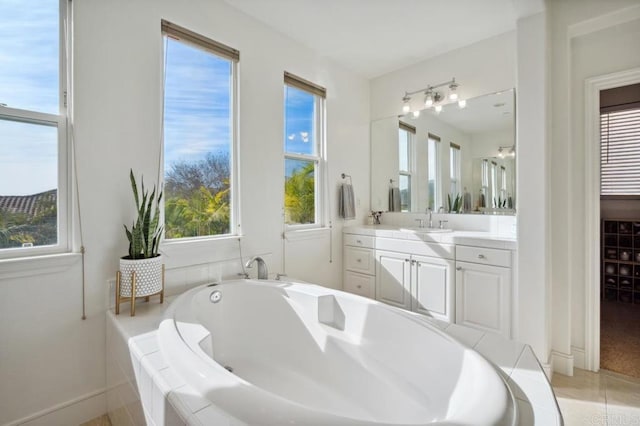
(393, 278)
(483, 297)
(432, 287)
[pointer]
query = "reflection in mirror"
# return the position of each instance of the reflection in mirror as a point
(460, 159)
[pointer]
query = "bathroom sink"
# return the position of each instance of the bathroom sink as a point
(426, 230)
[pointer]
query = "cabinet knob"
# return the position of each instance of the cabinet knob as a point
(458, 268)
(358, 260)
(481, 256)
(359, 241)
(407, 260)
(359, 286)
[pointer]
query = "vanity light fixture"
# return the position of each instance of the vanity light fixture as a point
(453, 90)
(433, 97)
(406, 107)
(511, 151)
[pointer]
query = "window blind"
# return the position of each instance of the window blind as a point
(620, 153)
(407, 127)
(180, 33)
(306, 85)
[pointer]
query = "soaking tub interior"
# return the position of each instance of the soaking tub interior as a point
(273, 353)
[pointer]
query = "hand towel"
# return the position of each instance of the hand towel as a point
(394, 199)
(346, 202)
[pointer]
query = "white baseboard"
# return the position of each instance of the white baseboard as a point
(546, 367)
(72, 412)
(562, 363)
(579, 360)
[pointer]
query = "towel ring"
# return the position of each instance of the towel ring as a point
(344, 176)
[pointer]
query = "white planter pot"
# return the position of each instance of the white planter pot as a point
(148, 276)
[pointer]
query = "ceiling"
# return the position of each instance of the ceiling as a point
(374, 37)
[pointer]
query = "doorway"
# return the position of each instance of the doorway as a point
(610, 315)
(619, 202)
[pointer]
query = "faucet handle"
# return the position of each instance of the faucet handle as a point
(420, 223)
(442, 222)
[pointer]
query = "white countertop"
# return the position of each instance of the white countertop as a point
(470, 238)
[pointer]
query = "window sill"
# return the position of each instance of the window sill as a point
(306, 234)
(190, 252)
(37, 265)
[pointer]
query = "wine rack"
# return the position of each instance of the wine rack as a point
(620, 268)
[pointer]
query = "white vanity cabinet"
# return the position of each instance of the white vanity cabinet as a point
(483, 288)
(359, 265)
(416, 279)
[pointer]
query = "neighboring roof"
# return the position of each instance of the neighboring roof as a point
(27, 204)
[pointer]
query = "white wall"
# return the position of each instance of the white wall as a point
(589, 38)
(48, 355)
(487, 66)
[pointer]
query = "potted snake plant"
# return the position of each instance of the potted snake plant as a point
(144, 240)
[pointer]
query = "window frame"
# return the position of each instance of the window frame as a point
(411, 135)
(212, 47)
(437, 183)
(61, 122)
(455, 168)
(320, 157)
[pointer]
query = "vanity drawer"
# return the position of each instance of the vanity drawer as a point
(358, 240)
(359, 259)
(360, 284)
(485, 256)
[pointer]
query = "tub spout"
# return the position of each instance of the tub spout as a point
(263, 273)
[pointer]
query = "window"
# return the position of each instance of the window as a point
(503, 182)
(303, 152)
(199, 135)
(454, 168)
(484, 189)
(33, 129)
(406, 134)
(620, 153)
(493, 184)
(433, 152)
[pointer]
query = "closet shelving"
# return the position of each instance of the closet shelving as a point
(620, 267)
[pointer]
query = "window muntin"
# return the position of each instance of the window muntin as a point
(433, 153)
(199, 136)
(33, 135)
(454, 169)
(620, 153)
(303, 153)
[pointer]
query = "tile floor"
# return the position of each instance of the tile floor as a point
(603, 399)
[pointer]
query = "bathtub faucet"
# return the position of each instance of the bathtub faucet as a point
(263, 273)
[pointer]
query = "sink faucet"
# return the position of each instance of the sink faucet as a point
(263, 273)
(441, 209)
(420, 223)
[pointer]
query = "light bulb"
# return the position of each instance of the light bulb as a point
(453, 91)
(428, 100)
(462, 103)
(406, 108)
(416, 113)
(438, 108)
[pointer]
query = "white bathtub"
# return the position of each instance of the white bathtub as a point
(307, 355)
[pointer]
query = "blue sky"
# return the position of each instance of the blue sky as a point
(28, 80)
(197, 101)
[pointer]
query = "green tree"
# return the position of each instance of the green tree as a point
(198, 197)
(299, 196)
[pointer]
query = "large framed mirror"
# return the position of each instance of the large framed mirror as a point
(430, 159)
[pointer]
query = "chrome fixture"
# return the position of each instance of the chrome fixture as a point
(442, 222)
(420, 223)
(510, 151)
(430, 212)
(433, 97)
(215, 296)
(263, 273)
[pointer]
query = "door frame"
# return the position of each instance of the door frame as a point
(593, 86)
